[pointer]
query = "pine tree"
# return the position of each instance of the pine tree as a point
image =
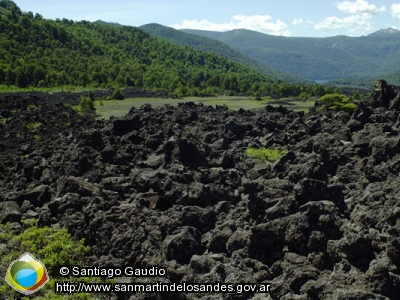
(87, 105)
(117, 95)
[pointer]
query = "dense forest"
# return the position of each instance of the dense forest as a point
(46, 53)
(42, 53)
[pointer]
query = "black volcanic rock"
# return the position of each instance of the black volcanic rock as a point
(172, 187)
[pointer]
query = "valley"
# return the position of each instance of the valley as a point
(329, 58)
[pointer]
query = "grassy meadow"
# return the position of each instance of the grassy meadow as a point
(116, 108)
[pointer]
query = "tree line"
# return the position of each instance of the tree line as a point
(36, 52)
(50, 53)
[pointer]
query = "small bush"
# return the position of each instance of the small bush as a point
(337, 101)
(53, 247)
(86, 105)
(117, 95)
(265, 154)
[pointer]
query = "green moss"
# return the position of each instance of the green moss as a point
(33, 127)
(265, 154)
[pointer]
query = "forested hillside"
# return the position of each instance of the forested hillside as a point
(46, 53)
(366, 83)
(211, 45)
(316, 58)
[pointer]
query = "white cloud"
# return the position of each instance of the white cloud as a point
(360, 19)
(297, 22)
(354, 23)
(261, 23)
(395, 10)
(360, 6)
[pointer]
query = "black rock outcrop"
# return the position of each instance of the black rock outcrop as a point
(173, 187)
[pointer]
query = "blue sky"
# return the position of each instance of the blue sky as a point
(306, 18)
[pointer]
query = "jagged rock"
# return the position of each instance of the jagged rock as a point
(201, 218)
(343, 294)
(172, 187)
(362, 113)
(354, 247)
(384, 148)
(183, 244)
(10, 212)
(216, 239)
(129, 123)
(77, 185)
(238, 240)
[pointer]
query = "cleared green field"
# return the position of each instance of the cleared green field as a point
(121, 107)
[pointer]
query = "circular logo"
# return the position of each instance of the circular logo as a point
(27, 275)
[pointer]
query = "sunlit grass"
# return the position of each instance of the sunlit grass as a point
(118, 108)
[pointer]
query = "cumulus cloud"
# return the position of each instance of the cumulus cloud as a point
(297, 22)
(360, 6)
(360, 19)
(354, 23)
(261, 23)
(395, 10)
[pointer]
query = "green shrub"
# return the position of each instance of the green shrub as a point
(265, 154)
(337, 101)
(117, 95)
(304, 96)
(53, 247)
(86, 105)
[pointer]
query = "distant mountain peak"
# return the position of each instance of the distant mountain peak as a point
(386, 31)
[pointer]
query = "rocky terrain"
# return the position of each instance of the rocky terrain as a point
(74, 97)
(173, 187)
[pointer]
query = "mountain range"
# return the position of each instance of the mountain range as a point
(386, 31)
(206, 44)
(340, 59)
(317, 58)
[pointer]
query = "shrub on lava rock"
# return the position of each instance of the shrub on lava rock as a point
(53, 247)
(86, 105)
(337, 101)
(265, 154)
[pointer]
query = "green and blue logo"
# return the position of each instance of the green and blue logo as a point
(27, 275)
